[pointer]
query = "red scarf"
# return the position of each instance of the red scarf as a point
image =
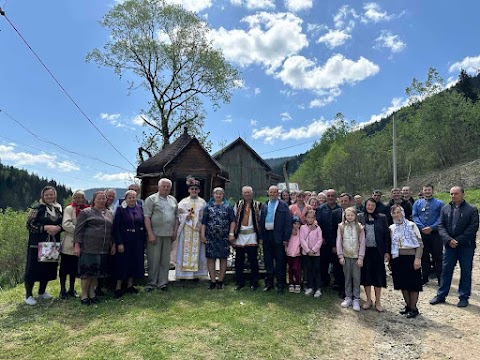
(78, 208)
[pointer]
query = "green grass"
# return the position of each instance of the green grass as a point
(471, 196)
(188, 322)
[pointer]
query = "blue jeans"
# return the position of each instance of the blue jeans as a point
(464, 255)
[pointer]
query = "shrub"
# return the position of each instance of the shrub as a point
(13, 244)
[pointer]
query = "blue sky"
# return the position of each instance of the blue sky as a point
(301, 62)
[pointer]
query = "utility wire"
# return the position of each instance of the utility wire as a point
(61, 87)
(288, 147)
(56, 145)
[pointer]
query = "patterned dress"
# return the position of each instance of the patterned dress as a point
(217, 220)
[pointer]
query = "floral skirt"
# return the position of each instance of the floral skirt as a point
(94, 266)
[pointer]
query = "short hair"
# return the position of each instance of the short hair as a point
(428, 185)
(218, 188)
(346, 194)
(396, 189)
(358, 196)
(310, 212)
(462, 190)
(165, 180)
(131, 185)
(247, 187)
(110, 190)
(128, 192)
(377, 192)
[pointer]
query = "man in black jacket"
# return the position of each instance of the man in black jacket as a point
(329, 233)
(458, 229)
(396, 194)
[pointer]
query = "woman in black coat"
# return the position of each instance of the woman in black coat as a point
(377, 241)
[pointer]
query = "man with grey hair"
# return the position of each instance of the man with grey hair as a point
(161, 222)
(111, 194)
(247, 232)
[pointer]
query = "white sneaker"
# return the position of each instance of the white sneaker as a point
(30, 301)
(297, 289)
(346, 303)
(45, 296)
(291, 288)
(356, 305)
(308, 291)
(318, 293)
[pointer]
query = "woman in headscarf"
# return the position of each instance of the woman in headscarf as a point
(69, 262)
(406, 255)
(191, 261)
(93, 244)
(44, 224)
(217, 232)
(130, 236)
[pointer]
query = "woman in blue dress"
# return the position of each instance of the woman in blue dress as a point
(217, 232)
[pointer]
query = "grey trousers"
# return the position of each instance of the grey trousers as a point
(352, 278)
(158, 258)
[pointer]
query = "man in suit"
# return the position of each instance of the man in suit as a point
(329, 232)
(275, 231)
(458, 229)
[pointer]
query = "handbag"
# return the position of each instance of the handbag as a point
(48, 251)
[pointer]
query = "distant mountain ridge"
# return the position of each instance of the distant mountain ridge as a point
(89, 192)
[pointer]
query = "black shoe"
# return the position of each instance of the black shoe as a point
(253, 287)
(164, 288)
(94, 300)
(85, 301)
(72, 293)
(239, 287)
(131, 290)
(437, 300)
(405, 310)
(462, 303)
(413, 313)
(267, 288)
(63, 295)
(212, 286)
(99, 292)
(220, 285)
(117, 294)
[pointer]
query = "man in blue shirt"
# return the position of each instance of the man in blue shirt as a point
(426, 215)
(275, 231)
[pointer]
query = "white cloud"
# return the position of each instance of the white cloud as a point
(253, 122)
(228, 119)
(334, 38)
(397, 104)
(138, 120)
(8, 153)
(254, 4)
(113, 119)
(192, 5)
(115, 177)
(470, 64)
(345, 17)
(298, 5)
(390, 41)
(285, 116)
(373, 13)
(326, 97)
(270, 39)
(302, 73)
(257, 91)
(239, 84)
(269, 134)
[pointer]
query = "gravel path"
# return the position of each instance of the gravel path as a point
(440, 332)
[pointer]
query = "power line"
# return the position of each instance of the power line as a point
(61, 87)
(55, 144)
(288, 147)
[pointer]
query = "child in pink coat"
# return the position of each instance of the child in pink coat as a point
(292, 249)
(311, 240)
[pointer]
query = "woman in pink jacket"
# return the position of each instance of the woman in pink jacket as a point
(311, 241)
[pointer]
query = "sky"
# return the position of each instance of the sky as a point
(301, 62)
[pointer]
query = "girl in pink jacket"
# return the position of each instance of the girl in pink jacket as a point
(292, 249)
(311, 241)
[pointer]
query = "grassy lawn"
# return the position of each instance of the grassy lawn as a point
(188, 322)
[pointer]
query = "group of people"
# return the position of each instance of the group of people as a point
(311, 235)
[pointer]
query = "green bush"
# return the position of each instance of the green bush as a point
(13, 244)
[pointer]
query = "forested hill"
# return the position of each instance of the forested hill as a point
(19, 189)
(436, 133)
